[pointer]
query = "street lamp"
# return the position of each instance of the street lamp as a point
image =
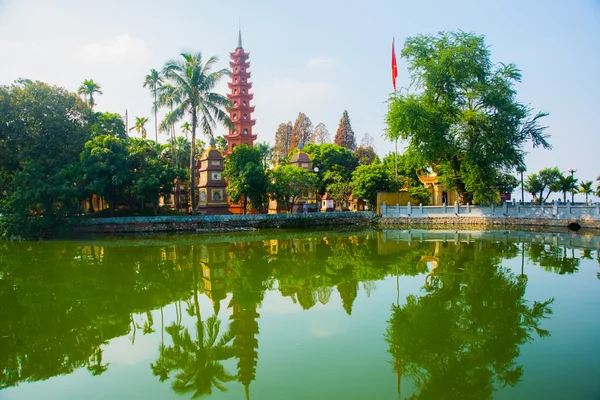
(521, 170)
(316, 169)
(572, 171)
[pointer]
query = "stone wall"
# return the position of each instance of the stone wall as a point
(482, 222)
(220, 223)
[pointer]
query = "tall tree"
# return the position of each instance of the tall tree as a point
(88, 89)
(463, 117)
(565, 184)
(186, 128)
(140, 126)
(153, 81)
(246, 177)
(302, 131)
(43, 130)
(367, 140)
(283, 140)
(586, 189)
(331, 158)
(345, 135)
(266, 153)
(105, 166)
(366, 155)
(320, 134)
(195, 82)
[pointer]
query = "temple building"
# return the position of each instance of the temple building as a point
(240, 97)
(210, 186)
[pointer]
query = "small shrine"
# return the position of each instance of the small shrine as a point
(309, 203)
(212, 198)
(241, 111)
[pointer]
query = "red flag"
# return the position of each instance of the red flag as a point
(394, 66)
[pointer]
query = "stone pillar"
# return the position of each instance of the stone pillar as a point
(409, 208)
(421, 208)
(505, 208)
(456, 207)
(493, 208)
(569, 209)
(383, 208)
(468, 208)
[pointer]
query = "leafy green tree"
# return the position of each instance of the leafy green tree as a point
(153, 81)
(421, 194)
(266, 153)
(195, 83)
(168, 96)
(221, 143)
(331, 158)
(301, 131)
(140, 126)
(289, 183)
(505, 183)
(246, 177)
(586, 189)
(186, 128)
(106, 123)
(547, 178)
(367, 180)
(565, 184)
(463, 119)
(339, 188)
(345, 135)
(88, 89)
(105, 165)
(43, 130)
(156, 180)
(408, 165)
(283, 140)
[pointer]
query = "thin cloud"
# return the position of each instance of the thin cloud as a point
(121, 49)
(319, 64)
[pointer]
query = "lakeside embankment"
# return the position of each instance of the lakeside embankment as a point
(234, 223)
(221, 223)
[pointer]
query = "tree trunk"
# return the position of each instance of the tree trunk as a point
(245, 203)
(155, 210)
(155, 118)
(192, 189)
(111, 207)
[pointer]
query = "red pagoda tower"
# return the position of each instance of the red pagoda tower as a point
(240, 97)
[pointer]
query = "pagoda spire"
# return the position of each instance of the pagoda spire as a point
(239, 46)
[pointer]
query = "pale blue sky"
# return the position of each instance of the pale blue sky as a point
(318, 57)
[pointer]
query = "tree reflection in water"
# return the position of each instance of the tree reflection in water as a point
(64, 302)
(461, 339)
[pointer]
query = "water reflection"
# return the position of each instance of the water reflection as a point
(64, 301)
(461, 339)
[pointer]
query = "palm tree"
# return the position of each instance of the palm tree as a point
(87, 89)
(139, 126)
(598, 187)
(586, 188)
(566, 184)
(195, 81)
(153, 82)
(186, 128)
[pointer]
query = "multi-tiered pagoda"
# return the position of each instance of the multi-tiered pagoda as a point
(240, 97)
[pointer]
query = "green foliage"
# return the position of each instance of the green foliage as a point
(421, 194)
(367, 180)
(246, 177)
(506, 183)
(408, 166)
(221, 143)
(565, 184)
(345, 135)
(339, 188)
(106, 123)
(43, 129)
(105, 165)
(331, 158)
(536, 184)
(88, 89)
(140, 126)
(586, 189)
(464, 119)
(366, 155)
(194, 83)
(289, 183)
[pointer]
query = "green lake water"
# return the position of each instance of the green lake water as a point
(302, 315)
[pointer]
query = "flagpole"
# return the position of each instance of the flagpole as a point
(394, 76)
